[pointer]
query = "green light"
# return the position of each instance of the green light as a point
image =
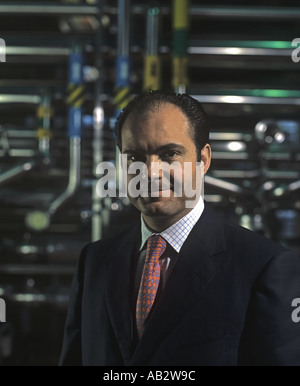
(37, 220)
(270, 93)
(153, 11)
(274, 44)
(277, 44)
(277, 93)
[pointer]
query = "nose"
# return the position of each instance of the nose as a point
(153, 169)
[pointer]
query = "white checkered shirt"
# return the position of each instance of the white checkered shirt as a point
(175, 236)
(177, 233)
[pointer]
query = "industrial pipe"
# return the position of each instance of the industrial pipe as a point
(123, 92)
(17, 171)
(293, 187)
(180, 37)
(37, 51)
(75, 100)
(231, 12)
(19, 98)
(98, 124)
(47, 9)
(40, 220)
(44, 129)
(247, 99)
(285, 191)
(152, 63)
(4, 141)
(226, 186)
(225, 12)
(74, 176)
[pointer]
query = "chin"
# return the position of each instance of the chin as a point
(157, 207)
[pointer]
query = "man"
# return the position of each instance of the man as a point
(183, 287)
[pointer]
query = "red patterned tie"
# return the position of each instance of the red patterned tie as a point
(156, 246)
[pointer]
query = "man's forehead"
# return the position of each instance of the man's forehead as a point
(168, 115)
(148, 112)
(156, 128)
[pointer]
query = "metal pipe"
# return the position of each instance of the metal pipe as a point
(47, 9)
(37, 51)
(246, 12)
(152, 63)
(293, 187)
(180, 36)
(287, 190)
(152, 31)
(18, 153)
(226, 186)
(275, 13)
(123, 27)
(98, 124)
(97, 206)
(17, 171)
(43, 131)
(237, 99)
(122, 96)
(237, 51)
(123, 91)
(4, 141)
(122, 65)
(40, 220)
(233, 50)
(291, 13)
(239, 174)
(75, 99)
(74, 177)
(18, 98)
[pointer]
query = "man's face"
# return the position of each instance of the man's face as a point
(160, 136)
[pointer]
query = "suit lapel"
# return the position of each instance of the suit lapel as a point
(119, 290)
(193, 272)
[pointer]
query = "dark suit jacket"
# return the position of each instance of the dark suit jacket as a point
(227, 302)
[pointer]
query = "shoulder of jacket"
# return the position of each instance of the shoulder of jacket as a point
(108, 243)
(253, 250)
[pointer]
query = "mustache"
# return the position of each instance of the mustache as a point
(156, 185)
(159, 185)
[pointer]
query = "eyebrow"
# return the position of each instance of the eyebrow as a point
(169, 146)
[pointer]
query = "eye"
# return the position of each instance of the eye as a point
(167, 155)
(135, 158)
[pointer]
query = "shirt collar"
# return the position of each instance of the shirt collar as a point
(177, 233)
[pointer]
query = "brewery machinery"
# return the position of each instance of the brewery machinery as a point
(70, 67)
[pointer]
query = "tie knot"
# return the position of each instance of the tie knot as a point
(156, 246)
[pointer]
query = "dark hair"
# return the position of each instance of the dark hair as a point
(151, 100)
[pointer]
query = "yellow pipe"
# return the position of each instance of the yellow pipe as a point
(152, 72)
(180, 14)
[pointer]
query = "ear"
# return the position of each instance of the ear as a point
(206, 157)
